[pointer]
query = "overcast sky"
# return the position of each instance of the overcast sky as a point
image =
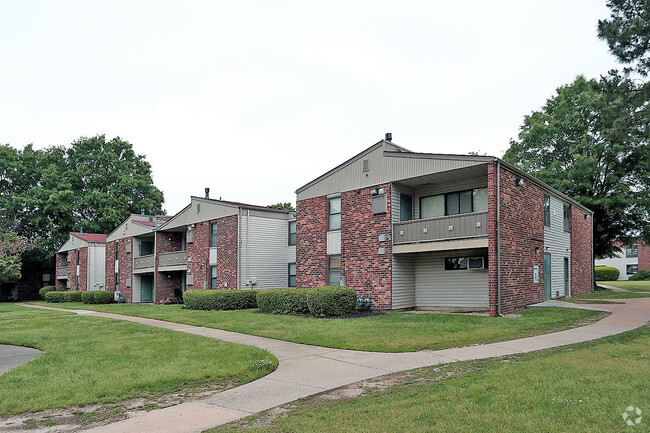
(255, 99)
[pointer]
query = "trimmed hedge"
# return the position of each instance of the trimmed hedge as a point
(54, 296)
(220, 299)
(97, 297)
(643, 275)
(46, 289)
(283, 301)
(73, 296)
(331, 301)
(606, 273)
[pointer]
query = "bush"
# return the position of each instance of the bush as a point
(97, 297)
(606, 273)
(643, 275)
(220, 299)
(331, 301)
(283, 301)
(55, 296)
(46, 289)
(73, 296)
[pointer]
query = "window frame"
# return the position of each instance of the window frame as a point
(547, 210)
(289, 274)
(467, 260)
(633, 265)
(292, 240)
(331, 214)
(566, 217)
(329, 270)
(448, 196)
(631, 252)
(213, 277)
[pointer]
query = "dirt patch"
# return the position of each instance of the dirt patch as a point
(76, 418)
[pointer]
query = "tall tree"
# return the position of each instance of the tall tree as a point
(11, 250)
(627, 33)
(92, 185)
(590, 141)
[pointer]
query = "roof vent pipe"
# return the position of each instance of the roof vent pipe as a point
(207, 193)
(389, 137)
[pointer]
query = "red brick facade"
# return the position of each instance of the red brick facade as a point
(644, 257)
(582, 265)
(198, 256)
(227, 251)
(109, 269)
(522, 230)
(166, 282)
(61, 263)
(365, 270)
(311, 248)
(83, 269)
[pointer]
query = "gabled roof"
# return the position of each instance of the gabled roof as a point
(90, 237)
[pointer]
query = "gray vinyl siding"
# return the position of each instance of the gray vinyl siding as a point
(437, 287)
(382, 169)
(404, 281)
(557, 243)
(267, 252)
(96, 266)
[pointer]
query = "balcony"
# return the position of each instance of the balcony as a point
(176, 261)
(62, 273)
(144, 264)
(441, 233)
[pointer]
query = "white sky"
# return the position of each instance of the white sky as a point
(255, 99)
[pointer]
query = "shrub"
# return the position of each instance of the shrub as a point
(73, 296)
(55, 296)
(97, 297)
(46, 289)
(331, 301)
(220, 299)
(283, 301)
(606, 273)
(643, 275)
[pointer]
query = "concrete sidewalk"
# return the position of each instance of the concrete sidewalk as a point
(14, 356)
(307, 370)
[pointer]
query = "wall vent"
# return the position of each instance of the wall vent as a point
(366, 165)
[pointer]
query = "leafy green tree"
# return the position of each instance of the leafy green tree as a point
(627, 33)
(590, 141)
(11, 249)
(92, 185)
(285, 206)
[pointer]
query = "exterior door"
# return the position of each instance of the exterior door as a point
(146, 288)
(566, 277)
(547, 276)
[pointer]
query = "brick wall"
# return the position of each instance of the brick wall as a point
(166, 282)
(644, 257)
(522, 229)
(109, 270)
(227, 247)
(198, 255)
(368, 272)
(125, 268)
(311, 248)
(492, 238)
(582, 266)
(72, 269)
(83, 269)
(60, 262)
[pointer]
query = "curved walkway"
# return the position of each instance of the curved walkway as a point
(305, 370)
(15, 356)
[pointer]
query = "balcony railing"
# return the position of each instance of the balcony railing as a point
(441, 228)
(62, 272)
(144, 262)
(178, 258)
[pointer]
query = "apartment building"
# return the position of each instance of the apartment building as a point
(80, 262)
(629, 260)
(434, 231)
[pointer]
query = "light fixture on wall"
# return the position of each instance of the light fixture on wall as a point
(381, 191)
(586, 216)
(519, 181)
(536, 250)
(373, 192)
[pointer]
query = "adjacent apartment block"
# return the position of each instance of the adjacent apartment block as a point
(217, 244)
(629, 260)
(433, 231)
(80, 262)
(130, 258)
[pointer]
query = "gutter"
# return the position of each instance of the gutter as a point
(498, 223)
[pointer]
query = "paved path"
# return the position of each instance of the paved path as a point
(617, 289)
(14, 356)
(305, 370)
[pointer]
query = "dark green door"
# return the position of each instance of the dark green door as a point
(566, 276)
(146, 288)
(547, 276)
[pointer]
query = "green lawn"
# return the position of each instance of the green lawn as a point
(393, 332)
(632, 286)
(584, 388)
(609, 294)
(89, 360)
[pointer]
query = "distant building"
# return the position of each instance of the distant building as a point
(629, 260)
(80, 262)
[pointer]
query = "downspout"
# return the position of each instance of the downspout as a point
(498, 222)
(248, 220)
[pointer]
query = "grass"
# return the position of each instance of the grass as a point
(609, 294)
(92, 360)
(584, 388)
(393, 332)
(632, 286)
